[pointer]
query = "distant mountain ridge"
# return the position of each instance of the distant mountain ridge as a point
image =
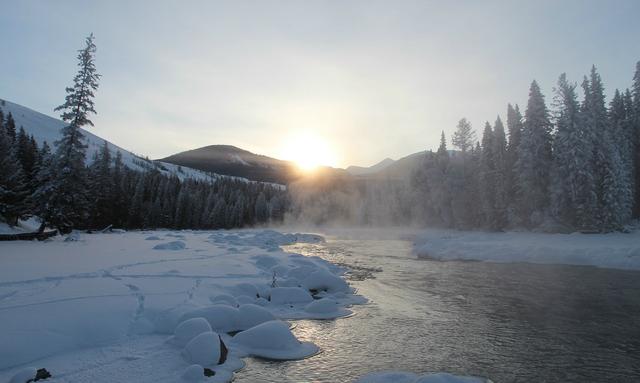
(361, 170)
(231, 160)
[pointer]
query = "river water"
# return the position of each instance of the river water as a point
(506, 322)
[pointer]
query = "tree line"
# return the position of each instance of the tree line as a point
(64, 192)
(573, 166)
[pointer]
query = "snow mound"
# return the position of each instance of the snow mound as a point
(204, 349)
(193, 373)
(224, 299)
(27, 374)
(189, 329)
(251, 315)
(221, 318)
(273, 340)
(289, 295)
(173, 245)
(326, 308)
(152, 238)
(408, 377)
(324, 280)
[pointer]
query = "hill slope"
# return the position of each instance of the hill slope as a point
(46, 128)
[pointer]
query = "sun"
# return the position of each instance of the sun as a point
(308, 151)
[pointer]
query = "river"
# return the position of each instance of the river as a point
(507, 322)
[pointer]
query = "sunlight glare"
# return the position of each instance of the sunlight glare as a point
(309, 151)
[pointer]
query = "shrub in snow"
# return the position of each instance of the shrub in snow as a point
(173, 245)
(222, 318)
(224, 299)
(287, 295)
(322, 306)
(189, 329)
(193, 373)
(273, 340)
(251, 315)
(322, 279)
(204, 349)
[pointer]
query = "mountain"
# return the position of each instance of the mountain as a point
(233, 161)
(361, 170)
(46, 128)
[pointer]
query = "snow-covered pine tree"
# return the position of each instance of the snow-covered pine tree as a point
(534, 160)
(487, 178)
(514, 127)
(13, 189)
(68, 197)
(621, 133)
(635, 122)
(606, 159)
(573, 189)
(500, 162)
(10, 126)
(101, 189)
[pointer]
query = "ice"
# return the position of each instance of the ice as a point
(273, 340)
(204, 349)
(288, 295)
(189, 329)
(173, 245)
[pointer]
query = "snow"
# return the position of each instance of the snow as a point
(24, 375)
(611, 250)
(108, 307)
(193, 373)
(204, 349)
(273, 340)
(407, 377)
(189, 329)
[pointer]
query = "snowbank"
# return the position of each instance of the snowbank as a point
(612, 250)
(104, 309)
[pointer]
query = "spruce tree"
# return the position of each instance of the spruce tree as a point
(534, 160)
(68, 198)
(464, 136)
(500, 163)
(514, 127)
(635, 127)
(13, 190)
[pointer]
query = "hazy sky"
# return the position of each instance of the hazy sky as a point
(373, 79)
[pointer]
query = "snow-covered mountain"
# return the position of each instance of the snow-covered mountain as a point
(362, 170)
(46, 128)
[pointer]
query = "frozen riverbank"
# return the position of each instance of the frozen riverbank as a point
(121, 307)
(612, 250)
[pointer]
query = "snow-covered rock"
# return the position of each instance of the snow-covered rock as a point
(288, 295)
(189, 329)
(173, 245)
(204, 349)
(193, 373)
(324, 280)
(251, 315)
(221, 318)
(273, 340)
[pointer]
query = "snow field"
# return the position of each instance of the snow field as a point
(116, 307)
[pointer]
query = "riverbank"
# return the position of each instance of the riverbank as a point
(611, 250)
(113, 307)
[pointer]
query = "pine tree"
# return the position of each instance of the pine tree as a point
(10, 126)
(101, 189)
(514, 126)
(68, 198)
(487, 178)
(534, 160)
(622, 137)
(13, 190)
(464, 136)
(635, 127)
(500, 163)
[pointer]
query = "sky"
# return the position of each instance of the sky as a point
(353, 82)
